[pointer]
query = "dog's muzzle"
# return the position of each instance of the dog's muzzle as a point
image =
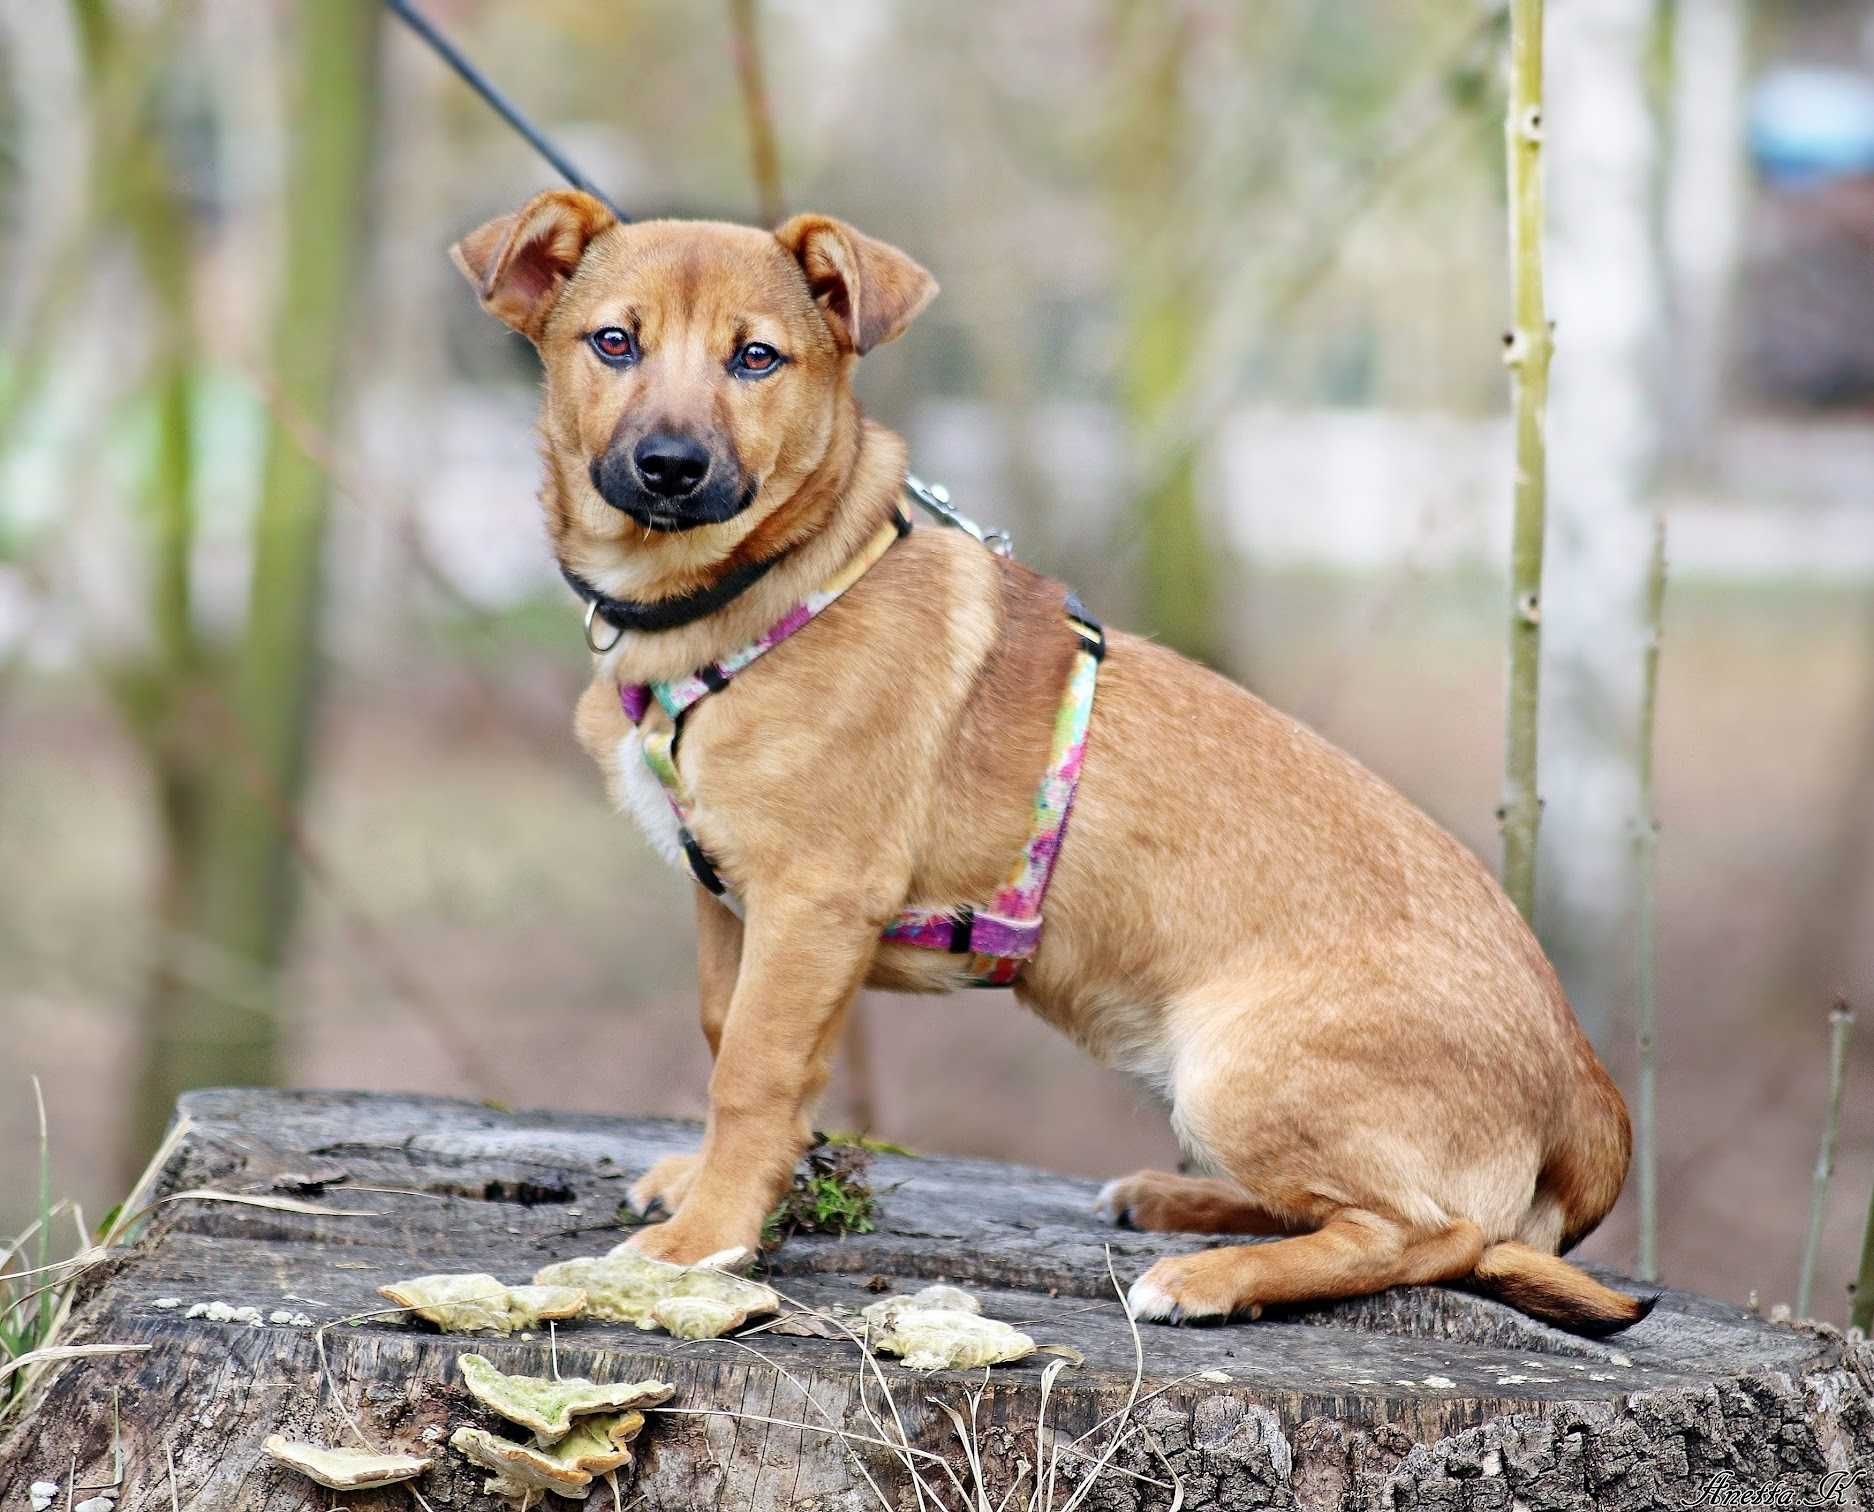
(670, 482)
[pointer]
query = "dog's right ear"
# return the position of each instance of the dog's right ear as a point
(519, 263)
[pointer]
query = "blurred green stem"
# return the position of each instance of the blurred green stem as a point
(1646, 864)
(133, 183)
(1861, 1312)
(1840, 1026)
(1528, 349)
(241, 899)
(751, 72)
(1162, 304)
(1179, 588)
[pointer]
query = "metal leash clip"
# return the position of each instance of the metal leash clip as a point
(934, 499)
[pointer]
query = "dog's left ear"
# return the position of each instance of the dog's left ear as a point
(868, 291)
(519, 263)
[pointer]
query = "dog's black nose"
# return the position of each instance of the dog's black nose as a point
(671, 465)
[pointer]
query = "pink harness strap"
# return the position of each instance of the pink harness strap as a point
(1000, 937)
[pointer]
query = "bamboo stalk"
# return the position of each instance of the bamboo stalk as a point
(1646, 853)
(1840, 1026)
(1527, 349)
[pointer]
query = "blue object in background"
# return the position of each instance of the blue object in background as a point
(1809, 126)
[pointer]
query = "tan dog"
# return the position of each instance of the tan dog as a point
(1351, 1023)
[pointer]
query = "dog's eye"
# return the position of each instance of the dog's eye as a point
(614, 344)
(756, 360)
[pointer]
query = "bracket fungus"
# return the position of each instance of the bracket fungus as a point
(934, 1297)
(472, 1301)
(698, 1317)
(565, 1467)
(702, 1301)
(620, 1287)
(548, 1407)
(941, 1328)
(344, 1469)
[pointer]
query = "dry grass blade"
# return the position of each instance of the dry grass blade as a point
(775, 1422)
(61, 1287)
(261, 1200)
(967, 1437)
(921, 1465)
(90, 1255)
(1840, 1027)
(807, 1396)
(1132, 1396)
(137, 1202)
(331, 1385)
(25, 1236)
(53, 1353)
(1044, 1455)
(1177, 1480)
(919, 1487)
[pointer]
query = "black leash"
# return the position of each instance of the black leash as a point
(476, 80)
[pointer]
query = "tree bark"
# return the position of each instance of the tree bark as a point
(1419, 1398)
(1704, 203)
(1607, 296)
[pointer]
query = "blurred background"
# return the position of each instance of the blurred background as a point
(288, 789)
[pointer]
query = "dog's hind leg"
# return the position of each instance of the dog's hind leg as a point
(1353, 1253)
(1166, 1203)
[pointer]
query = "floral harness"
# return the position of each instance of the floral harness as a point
(1000, 937)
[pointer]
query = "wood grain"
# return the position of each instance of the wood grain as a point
(1346, 1406)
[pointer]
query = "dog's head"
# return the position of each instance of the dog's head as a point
(696, 373)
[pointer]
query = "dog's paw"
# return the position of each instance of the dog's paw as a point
(1148, 1302)
(1114, 1203)
(660, 1191)
(1189, 1289)
(692, 1244)
(1159, 1202)
(1151, 1200)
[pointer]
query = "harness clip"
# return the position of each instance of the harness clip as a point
(934, 499)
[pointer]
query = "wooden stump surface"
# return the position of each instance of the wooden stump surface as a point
(1418, 1398)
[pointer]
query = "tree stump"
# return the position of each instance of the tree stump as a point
(1418, 1398)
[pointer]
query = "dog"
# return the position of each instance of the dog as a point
(1353, 1027)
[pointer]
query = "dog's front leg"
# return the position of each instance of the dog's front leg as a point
(802, 961)
(660, 1191)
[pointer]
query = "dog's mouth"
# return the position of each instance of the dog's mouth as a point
(720, 497)
(670, 518)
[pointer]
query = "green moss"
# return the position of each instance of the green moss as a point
(864, 1142)
(829, 1195)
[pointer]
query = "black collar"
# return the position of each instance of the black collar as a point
(683, 609)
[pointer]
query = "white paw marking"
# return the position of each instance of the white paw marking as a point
(1109, 1205)
(1148, 1300)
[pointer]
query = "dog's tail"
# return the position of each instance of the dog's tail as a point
(1550, 1288)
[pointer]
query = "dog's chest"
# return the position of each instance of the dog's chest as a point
(636, 790)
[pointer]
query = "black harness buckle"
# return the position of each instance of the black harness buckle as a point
(700, 865)
(1091, 632)
(961, 927)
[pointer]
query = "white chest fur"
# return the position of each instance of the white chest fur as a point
(637, 792)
